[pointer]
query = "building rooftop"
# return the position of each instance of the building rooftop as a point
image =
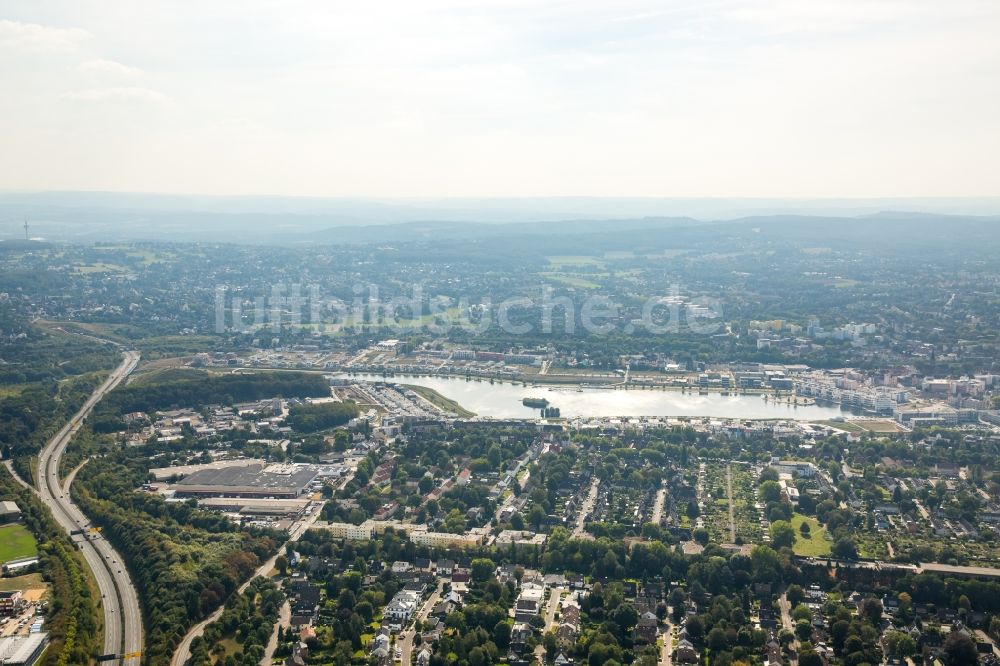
(20, 649)
(256, 479)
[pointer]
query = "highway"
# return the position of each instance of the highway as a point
(122, 616)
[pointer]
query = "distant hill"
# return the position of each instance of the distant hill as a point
(565, 225)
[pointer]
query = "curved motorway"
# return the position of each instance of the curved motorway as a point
(122, 616)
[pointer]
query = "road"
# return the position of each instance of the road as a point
(668, 642)
(122, 615)
(729, 495)
(787, 623)
(585, 509)
(922, 510)
(404, 641)
(284, 619)
(551, 606)
(183, 652)
(661, 498)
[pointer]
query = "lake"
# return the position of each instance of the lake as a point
(503, 400)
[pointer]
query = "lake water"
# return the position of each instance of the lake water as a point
(503, 400)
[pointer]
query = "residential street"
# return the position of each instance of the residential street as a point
(585, 509)
(551, 606)
(665, 657)
(787, 622)
(404, 641)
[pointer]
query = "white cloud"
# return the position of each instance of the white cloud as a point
(118, 94)
(107, 67)
(464, 97)
(40, 38)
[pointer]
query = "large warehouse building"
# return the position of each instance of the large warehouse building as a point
(254, 481)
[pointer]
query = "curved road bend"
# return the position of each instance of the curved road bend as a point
(122, 616)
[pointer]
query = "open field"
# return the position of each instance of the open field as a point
(847, 426)
(100, 268)
(15, 542)
(884, 425)
(818, 542)
(31, 581)
(571, 280)
(439, 400)
(574, 260)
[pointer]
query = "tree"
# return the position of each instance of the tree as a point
(995, 626)
(281, 564)
(716, 640)
(795, 595)
(700, 535)
(845, 549)
(501, 634)
(810, 658)
(625, 616)
(959, 650)
(872, 610)
(550, 643)
(482, 569)
(536, 516)
(765, 564)
(900, 644)
(692, 510)
(801, 612)
(805, 529)
(770, 491)
(782, 534)
(694, 627)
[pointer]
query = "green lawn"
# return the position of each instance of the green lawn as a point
(817, 544)
(574, 260)
(439, 400)
(25, 582)
(846, 426)
(16, 542)
(571, 280)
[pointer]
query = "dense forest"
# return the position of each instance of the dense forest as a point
(28, 418)
(312, 418)
(207, 389)
(246, 621)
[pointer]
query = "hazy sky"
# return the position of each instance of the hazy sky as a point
(508, 97)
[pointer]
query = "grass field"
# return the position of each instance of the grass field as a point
(27, 582)
(846, 426)
(571, 280)
(880, 426)
(817, 545)
(100, 268)
(440, 401)
(16, 542)
(574, 260)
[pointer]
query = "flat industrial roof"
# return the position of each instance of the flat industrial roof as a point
(162, 473)
(251, 478)
(297, 504)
